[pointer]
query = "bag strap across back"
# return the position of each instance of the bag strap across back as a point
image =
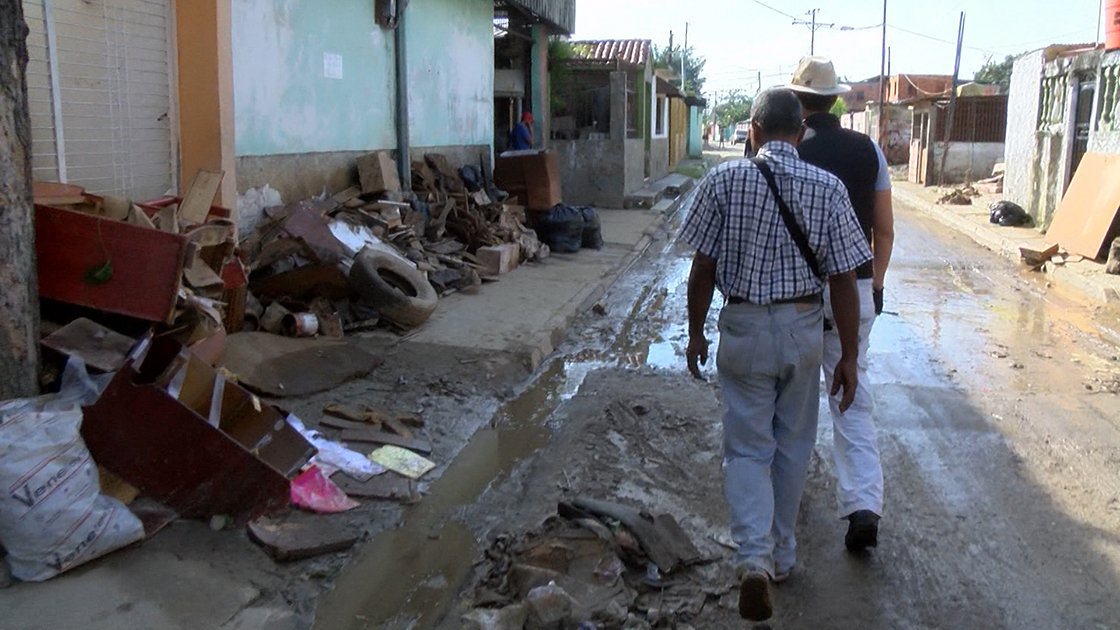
(795, 230)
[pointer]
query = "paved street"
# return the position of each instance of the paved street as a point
(999, 430)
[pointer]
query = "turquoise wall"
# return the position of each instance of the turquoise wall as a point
(695, 132)
(450, 72)
(285, 102)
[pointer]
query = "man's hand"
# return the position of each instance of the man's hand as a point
(697, 355)
(846, 379)
(877, 294)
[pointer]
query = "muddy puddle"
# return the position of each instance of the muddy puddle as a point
(408, 577)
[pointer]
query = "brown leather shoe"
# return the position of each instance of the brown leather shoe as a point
(754, 597)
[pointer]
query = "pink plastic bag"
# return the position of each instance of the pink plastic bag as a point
(312, 490)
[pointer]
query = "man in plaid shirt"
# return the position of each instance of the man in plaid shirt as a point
(771, 329)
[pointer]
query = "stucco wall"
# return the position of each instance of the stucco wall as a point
(971, 161)
(450, 72)
(658, 158)
(1022, 122)
(592, 171)
(288, 99)
(283, 100)
(635, 165)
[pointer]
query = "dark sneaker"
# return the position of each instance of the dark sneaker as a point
(863, 531)
(754, 597)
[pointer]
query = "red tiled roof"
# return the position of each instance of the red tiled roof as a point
(632, 51)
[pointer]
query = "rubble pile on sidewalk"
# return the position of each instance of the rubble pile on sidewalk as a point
(375, 253)
(139, 299)
(597, 565)
(960, 196)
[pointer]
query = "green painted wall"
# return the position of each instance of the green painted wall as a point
(450, 72)
(286, 101)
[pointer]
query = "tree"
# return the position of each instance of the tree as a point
(735, 108)
(19, 295)
(670, 58)
(997, 73)
(839, 108)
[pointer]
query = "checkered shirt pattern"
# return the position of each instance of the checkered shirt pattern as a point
(733, 218)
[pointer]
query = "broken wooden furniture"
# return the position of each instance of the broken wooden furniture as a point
(175, 428)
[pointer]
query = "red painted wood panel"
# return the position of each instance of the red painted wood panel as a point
(147, 264)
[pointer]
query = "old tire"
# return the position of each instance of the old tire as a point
(399, 292)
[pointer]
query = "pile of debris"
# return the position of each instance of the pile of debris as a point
(375, 253)
(597, 565)
(961, 196)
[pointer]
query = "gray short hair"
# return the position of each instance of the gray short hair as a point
(777, 111)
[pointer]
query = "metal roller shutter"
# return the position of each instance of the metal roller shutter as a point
(99, 88)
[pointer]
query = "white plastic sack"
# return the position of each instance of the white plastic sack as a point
(53, 516)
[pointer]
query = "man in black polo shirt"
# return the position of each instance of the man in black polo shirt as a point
(859, 163)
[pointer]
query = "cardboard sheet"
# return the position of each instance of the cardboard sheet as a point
(1089, 207)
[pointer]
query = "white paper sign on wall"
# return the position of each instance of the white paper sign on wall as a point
(332, 65)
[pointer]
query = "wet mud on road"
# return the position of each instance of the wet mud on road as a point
(998, 414)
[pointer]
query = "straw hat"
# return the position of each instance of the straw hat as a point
(815, 75)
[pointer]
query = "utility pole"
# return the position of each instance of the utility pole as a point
(759, 83)
(813, 26)
(952, 104)
(883, 83)
(684, 51)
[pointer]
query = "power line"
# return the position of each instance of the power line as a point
(778, 11)
(938, 39)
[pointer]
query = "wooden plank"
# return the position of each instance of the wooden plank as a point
(196, 204)
(298, 536)
(347, 425)
(1088, 207)
(388, 486)
(146, 264)
(374, 436)
(102, 349)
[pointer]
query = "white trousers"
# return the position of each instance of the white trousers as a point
(855, 449)
(769, 370)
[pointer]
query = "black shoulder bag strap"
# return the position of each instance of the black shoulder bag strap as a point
(795, 230)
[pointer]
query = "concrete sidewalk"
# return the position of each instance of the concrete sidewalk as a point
(1087, 276)
(528, 311)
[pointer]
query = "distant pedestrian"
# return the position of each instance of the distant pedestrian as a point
(860, 164)
(521, 137)
(771, 233)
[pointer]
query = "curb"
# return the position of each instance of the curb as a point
(534, 356)
(1090, 287)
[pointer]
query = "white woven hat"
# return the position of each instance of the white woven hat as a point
(815, 75)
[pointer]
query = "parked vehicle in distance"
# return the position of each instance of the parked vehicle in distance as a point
(740, 135)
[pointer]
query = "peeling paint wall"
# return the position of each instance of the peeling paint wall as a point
(450, 72)
(285, 98)
(318, 76)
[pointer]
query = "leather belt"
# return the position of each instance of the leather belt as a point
(813, 298)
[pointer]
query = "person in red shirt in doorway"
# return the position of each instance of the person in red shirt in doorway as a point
(521, 138)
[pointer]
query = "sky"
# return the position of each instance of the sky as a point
(740, 38)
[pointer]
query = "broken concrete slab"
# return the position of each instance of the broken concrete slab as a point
(300, 535)
(279, 366)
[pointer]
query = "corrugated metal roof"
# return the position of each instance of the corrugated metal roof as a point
(561, 14)
(635, 52)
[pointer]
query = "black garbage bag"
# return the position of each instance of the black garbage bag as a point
(472, 177)
(592, 228)
(561, 228)
(1008, 214)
